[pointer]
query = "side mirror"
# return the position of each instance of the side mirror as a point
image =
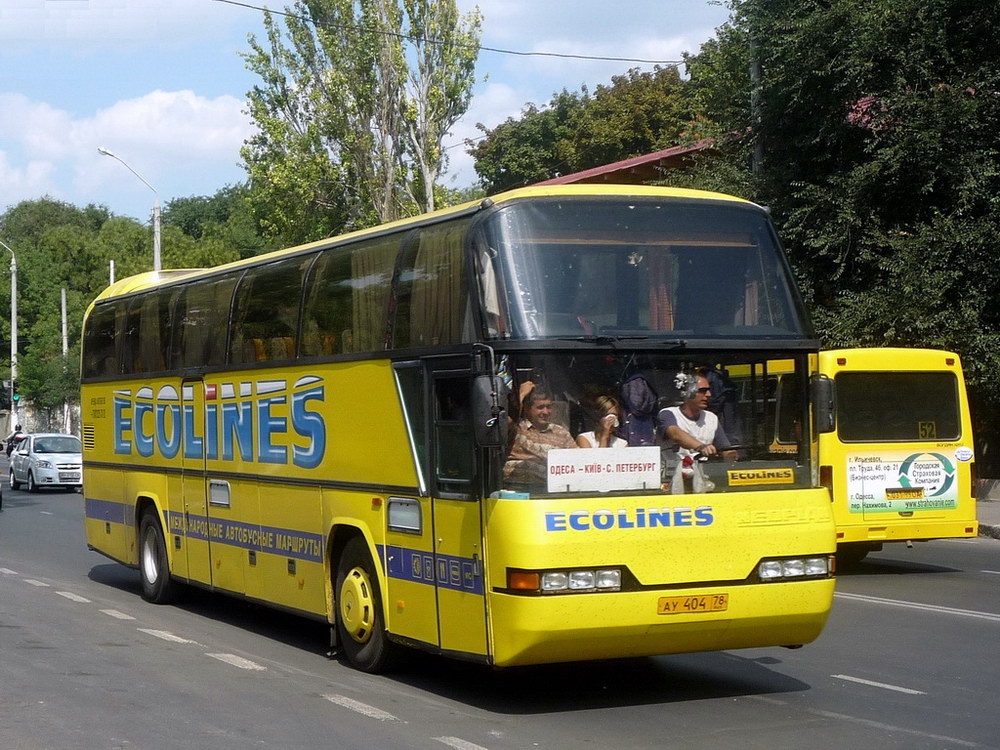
(489, 411)
(824, 403)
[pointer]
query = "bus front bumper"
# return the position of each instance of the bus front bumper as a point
(574, 627)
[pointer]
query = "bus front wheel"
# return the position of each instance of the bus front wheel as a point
(157, 586)
(360, 624)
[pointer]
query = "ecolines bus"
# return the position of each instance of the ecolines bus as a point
(325, 429)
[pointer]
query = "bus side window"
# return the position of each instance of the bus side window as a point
(99, 358)
(454, 464)
(432, 295)
(266, 311)
(200, 320)
(346, 298)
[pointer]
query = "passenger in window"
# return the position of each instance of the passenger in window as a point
(692, 428)
(605, 434)
(536, 435)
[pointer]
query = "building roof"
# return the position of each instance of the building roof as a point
(638, 169)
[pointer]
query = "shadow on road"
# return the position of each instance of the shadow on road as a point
(581, 686)
(875, 564)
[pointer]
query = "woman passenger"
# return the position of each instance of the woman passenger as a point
(605, 434)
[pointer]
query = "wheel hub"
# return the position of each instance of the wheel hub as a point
(357, 610)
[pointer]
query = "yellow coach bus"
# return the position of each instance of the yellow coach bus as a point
(326, 429)
(900, 461)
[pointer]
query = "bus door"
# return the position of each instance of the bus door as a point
(458, 528)
(193, 483)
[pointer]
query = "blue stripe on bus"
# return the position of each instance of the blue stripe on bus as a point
(446, 571)
(277, 541)
(105, 510)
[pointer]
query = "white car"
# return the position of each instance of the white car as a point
(47, 460)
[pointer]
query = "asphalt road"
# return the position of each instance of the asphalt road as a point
(910, 659)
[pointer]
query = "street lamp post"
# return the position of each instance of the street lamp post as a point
(13, 332)
(156, 206)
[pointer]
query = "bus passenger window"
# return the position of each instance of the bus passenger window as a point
(201, 319)
(99, 357)
(432, 298)
(266, 311)
(346, 298)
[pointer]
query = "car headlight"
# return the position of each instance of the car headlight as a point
(43, 464)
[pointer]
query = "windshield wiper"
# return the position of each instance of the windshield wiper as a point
(609, 339)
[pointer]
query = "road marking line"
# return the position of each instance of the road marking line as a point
(45, 512)
(164, 635)
(925, 607)
(238, 661)
(8, 572)
(867, 722)
(459, 744)
(891, 727)
(359, 707)
(73, 597)
(33, 582)
(994, 572)
(116, 614)
(898, 689)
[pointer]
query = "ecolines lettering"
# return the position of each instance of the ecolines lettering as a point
(234, 426)
(640, 518)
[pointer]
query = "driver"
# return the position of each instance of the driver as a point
(691, 428)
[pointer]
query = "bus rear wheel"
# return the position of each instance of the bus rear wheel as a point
(851, 554)
(360, 623)
(157, 585)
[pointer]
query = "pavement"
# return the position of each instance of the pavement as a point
(988, 507)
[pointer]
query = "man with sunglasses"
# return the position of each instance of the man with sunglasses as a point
(692, 428)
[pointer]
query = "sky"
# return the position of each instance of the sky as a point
(161, 84)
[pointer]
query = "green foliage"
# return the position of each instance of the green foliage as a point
(59, 246)
(636, 114)
(353, 103)
(878, 125)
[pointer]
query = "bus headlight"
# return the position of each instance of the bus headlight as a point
(565, 581)
(795, 567)
(554, 581)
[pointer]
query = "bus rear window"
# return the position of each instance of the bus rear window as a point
(897, 406)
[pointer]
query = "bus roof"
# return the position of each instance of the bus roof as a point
(889, 358)
(153, 278)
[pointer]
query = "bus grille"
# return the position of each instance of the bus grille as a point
(89, 440)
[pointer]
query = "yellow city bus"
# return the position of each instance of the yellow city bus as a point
(900, 461)
(325, 429)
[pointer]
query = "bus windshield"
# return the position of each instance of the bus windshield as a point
(656, 268)
(560, 446)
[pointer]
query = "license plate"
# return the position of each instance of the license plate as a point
(69, 477)
(904, 493)
(676, 605)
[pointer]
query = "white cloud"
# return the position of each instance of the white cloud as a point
(494, 104)
(95, 24)
(31, 178)
(177, 140)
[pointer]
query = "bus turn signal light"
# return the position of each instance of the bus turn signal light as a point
(524, 581)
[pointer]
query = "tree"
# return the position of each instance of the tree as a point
(637, 113)
(880, 164)
(354, 102)
(225, 218)
(60, 246)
